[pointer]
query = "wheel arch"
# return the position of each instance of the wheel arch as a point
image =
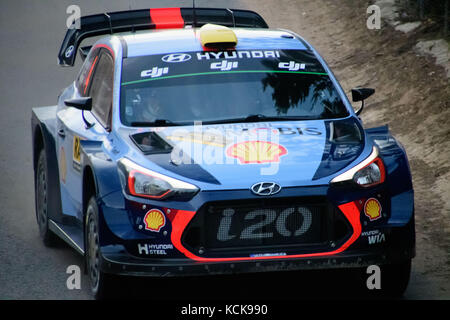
(89, 186)
(395, 159)
(98, 180)
(38, 144)
(100, 175)
(42, 129)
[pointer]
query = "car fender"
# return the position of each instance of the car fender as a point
(395, 159)
(104, 169)
(43, 124)
(398, 175)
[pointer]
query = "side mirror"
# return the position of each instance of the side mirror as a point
(83, 104)
(361, 94)
(80, 103)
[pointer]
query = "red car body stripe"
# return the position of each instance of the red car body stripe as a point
(131, 181)
(86, 84)
(167, 18)
(182, 219)
(380, 164)
(106, 47)
(88, 79)
(382, 169)
(111, 51)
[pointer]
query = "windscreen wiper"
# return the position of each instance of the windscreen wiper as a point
(156, 123)
(258, 118)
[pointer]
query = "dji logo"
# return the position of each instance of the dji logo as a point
(291, 66)
(224, 65)
(155, 72)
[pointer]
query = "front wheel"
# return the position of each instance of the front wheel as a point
(41, 201)
(395, 278)
(102, 285)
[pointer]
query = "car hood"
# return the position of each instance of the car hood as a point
(235, 156)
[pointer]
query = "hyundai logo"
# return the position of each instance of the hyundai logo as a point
(265, 188)
(69, 51)
(176, 57)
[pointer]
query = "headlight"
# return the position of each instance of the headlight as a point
(371, 175)
(368, 173)
(141, 182)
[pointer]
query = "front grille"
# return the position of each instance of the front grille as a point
(258, 225)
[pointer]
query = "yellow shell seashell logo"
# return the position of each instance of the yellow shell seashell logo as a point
(154, 220)
(372, 209)
(256, 151)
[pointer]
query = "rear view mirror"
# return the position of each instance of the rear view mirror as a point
(361, 94)
(83, 104)
(80, 103)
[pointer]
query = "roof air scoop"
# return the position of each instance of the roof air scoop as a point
(214, 36)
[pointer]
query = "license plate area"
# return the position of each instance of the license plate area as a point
(289, 225)
(247, 226)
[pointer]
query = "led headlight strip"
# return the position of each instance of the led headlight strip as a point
(175, 184)
(348, 175)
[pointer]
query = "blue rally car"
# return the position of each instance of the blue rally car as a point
(199, 141)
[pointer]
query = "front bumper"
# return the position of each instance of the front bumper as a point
(398, 247)
(121, 264)
(390, 239)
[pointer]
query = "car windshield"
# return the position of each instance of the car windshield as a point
(226, 86)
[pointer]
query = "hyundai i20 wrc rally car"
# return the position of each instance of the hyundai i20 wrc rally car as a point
(199, 141)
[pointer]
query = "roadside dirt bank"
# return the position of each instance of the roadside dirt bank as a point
(413, 98)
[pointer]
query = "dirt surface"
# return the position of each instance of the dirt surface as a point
(413, 98)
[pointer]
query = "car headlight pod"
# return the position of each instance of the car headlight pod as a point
(142, 182)
(368, 173)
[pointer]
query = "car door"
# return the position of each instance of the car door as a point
(96, 81)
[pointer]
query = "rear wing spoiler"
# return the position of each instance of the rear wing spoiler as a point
(125, 21)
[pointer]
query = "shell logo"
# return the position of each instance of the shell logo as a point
(154, 220)
(256, 152)
(372, 209)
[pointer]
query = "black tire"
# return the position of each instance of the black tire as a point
(41, 201)
(101, 284)
(395, 279)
